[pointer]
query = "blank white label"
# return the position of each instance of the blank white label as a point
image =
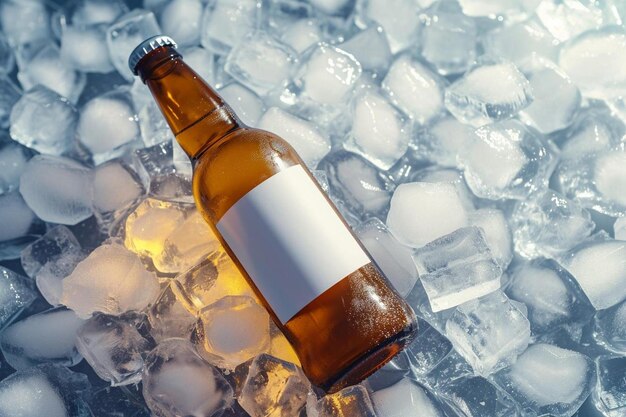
(290, 241)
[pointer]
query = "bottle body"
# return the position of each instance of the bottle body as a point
(321, 288)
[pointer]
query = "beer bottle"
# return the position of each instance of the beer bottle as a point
(319, 285)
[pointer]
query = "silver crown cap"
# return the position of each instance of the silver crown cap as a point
(146, 47)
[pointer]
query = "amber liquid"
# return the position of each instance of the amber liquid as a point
(350, 330)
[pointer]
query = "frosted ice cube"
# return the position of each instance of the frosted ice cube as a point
(608, 395)
(13, 158)
(226, 22)
(619, 228)
(488, 92)
(172, 314)
(126, 33)
(50, 277)
(600, 269)
(17, 225)
(10, 94)
(273, 387)
(399, 18)
(350, 401)
(58, 189)
(403, 399)
(549, 380)
(45, 390)
(55, 244)
(261, 62)
(310, 144)
(475, 396)
(24, 22)
(440, 141)
(302, 34)
(107, 123)
(506, 160)
(456, 268)
(176, 381)
(44, 66)
(371, 49)
(415, 89)
(84, 48)
(549, 224)
(56, 121)
(393, 258)
(551, 294)
(610, 328)
(357, 183)
(202, 62)
(435, 174)
(89, 12)
(15, 295)
(232, 330)
(580, 57)
(566, 19)
(113, 347)
(182, 20)
(556, 98)
(497, 233)
(111, 280)
(448, 40)
(115, 186)
(421, 212)
(46, 337)
(378, 133)
(519, 41)
(489, 332)
(245, 103)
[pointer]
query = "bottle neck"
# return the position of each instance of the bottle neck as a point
(197, 115)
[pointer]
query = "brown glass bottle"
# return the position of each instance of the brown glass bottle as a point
(350, 329)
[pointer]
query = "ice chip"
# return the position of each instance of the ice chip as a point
(176, 381)
(114, 347)
(422, 212)
(226, 22)
(172, 314)
(246, 104)
(350, 401)
(489, 332)
(181, 19)
(399, 18)
(84, 48)
(371, 49)
(405, 398)
(111, 280)
(13, 158)
(56, 117)
(15, 295)
(46, 337)
(58, 189)
(488, 92)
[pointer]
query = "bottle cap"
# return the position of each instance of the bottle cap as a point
(146, 47)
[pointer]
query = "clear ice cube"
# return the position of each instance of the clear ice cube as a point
(497, 233)
(245, 103)
(350, 401)
(84, 48)
(427, 350)
(440, 141)
(203, 62)
(15, 295)
(399, 19)
(610, 328)
(56, 121)
(301, 34)
(172, 314)
(609, 395)
(226, 22)
(182, 20)
(371, 49)
(475, 396)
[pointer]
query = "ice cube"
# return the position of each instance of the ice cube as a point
(350, 401)
(488, 92)
(25, 22)
(45, 390)
(181, 160)
(107, 124)
(619, 228)
(448, 40)
(15, 295)
(556, 98)
(416, 90)
(50, 277)
(403, 399)
(421, 212)
(440, 141)
(10, 94)
(43, 65)
(608, 395)
(111, 280)
(427, 350)
(55, 244)
(115, 186)
(172, 314)
(154, 129)
(232, 330)
(273, 387)
(126, 33)
(551, 294)
(399, 18)
(176, 381)
(18, 225)
(261, 62)
(310, 144)
(580, 57)
(13, 158)
(114, 347)
(371, 49)
(378, 133)
(548, 225)
(89, 12)
(489, 332)
(84, 48)
(7, 59)
(121, 401)
(610, 328)
(57, 189)
(566, 19)
(456, 268)
(46, 337)
(497, 234)
(302, 33)
(56, 121)
(518, 41)
(182, 19)
(506, 160)
(450, 368)
(600, 269)
(393, 258)
(202, 62)
(226, 22)
(437, 175)
(246, 104)
(475, 396)
(357, 183)
(341, 8)
(482, 8)
(548, 380)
